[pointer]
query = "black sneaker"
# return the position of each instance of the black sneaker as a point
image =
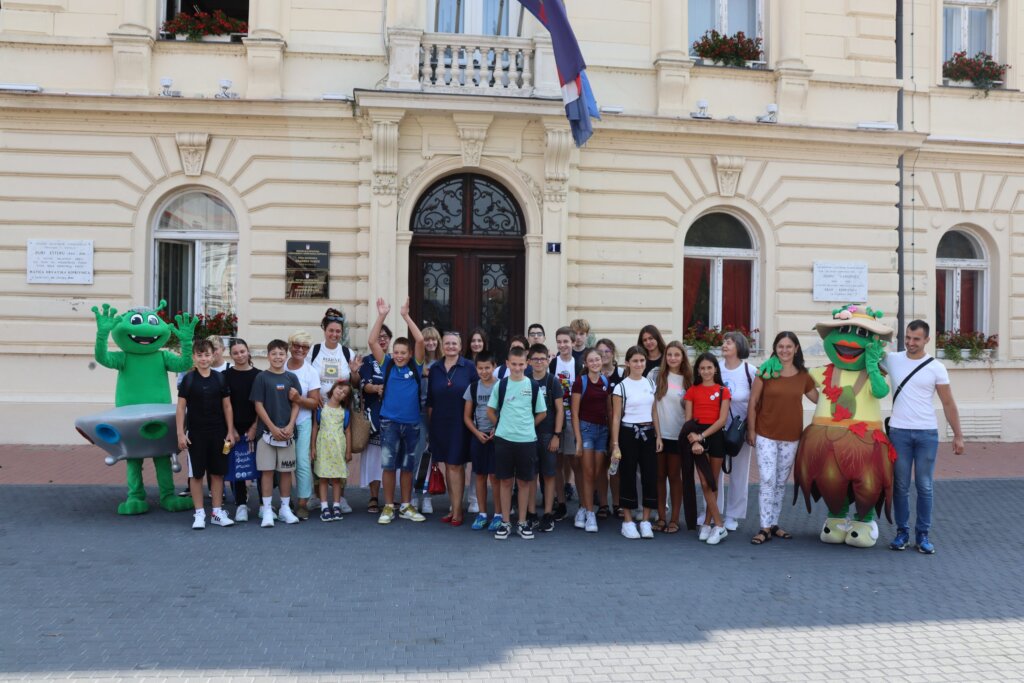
(336, 514)
(561, 511)
(326, 516)
(532, 521)
(568, 491)
(547, 522)
(524, 531)
(504, 529)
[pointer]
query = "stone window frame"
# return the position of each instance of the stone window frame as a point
(954, 268)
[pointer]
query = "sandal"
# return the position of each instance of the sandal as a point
(447, 519)
(671, 528)
(779, 532)
(602, 512)
(373, 507)
(761, 537)
(617, 511)
(660, 525)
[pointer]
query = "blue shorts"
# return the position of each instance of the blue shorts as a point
(482, 456)
(546, 460)
(398, 445)
(595, 436)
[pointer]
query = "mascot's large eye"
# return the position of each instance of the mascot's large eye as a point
(844, 329)
(861, 332)
(136, 319)
(153, 320)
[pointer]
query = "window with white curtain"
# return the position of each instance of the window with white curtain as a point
(195, 254)
(725, 16)
(969, 26)
(961, 286)
(476, 17)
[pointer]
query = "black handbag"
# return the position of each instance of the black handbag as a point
(736, 433)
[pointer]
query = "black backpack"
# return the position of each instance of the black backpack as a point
(344, 349)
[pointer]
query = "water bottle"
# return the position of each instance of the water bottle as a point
(613, 468)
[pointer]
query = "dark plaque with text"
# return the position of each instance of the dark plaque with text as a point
(307, 271)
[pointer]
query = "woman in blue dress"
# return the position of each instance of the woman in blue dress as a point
(447, 381)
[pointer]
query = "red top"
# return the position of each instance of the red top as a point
(594, 403)
(707, 402)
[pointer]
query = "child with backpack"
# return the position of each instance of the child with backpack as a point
(481, 447)
(590, 396)
(547, 429)
(516, 408)
(331, 450)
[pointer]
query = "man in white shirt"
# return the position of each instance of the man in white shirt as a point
(914, 432)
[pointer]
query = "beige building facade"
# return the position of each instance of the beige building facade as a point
(426, 142)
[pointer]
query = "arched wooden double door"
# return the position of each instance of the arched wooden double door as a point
(467, 259)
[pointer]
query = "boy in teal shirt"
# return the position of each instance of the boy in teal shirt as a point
(516, 406)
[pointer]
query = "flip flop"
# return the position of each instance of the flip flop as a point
(671, 528)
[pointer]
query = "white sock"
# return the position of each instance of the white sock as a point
(266, 502)
(323, 504)
(217, 512)
(285, 501)
(201, 512)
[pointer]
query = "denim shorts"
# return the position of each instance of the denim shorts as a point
(398, 445)
(595, 436)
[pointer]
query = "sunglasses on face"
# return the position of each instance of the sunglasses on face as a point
(303, 347)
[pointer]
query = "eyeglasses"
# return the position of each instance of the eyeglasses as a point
(605, 352)
(536, 334)
(303, 347)
(539, 359)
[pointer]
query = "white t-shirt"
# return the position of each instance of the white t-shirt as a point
(914, 409)
(671, 413)
(565, 371)
(330, 366)
(308, 380)
(639, 397)
(739, 387)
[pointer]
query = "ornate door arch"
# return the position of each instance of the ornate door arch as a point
(466, 265)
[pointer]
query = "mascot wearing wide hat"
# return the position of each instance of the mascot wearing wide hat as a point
(844, 454)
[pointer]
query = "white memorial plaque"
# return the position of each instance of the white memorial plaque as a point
(842, 281)
(59, 262)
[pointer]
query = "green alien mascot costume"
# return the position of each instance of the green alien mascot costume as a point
(142, 368)
(844, 454)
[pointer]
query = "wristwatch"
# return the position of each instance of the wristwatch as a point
(558, 434)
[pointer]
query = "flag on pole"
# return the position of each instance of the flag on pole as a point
(580, 105)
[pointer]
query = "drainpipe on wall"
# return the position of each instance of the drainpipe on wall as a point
(900, 269)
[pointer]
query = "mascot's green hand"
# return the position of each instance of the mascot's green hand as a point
(872, 357)
(107, 319)
(770, 369)
(186, 325)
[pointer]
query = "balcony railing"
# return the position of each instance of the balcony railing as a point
(487, 65)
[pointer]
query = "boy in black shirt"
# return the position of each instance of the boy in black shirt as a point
(203, 397)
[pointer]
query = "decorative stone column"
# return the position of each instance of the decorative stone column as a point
(132, 49)
(264, 50)
(673, 62)
(553, 277)
(383, 131)
(792, 76)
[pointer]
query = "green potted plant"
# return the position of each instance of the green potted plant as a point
(720, 49)
(700, 338)
(204, 25)
(223, 325)
(959, 346)
(981, 70)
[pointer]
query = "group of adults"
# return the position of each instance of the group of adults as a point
(773, 409)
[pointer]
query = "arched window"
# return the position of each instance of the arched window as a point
(719, 274)
(961, 290)
(196, 254)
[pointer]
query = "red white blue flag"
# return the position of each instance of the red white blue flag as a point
(577, 96)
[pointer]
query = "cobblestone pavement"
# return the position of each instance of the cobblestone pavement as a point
(91, 595)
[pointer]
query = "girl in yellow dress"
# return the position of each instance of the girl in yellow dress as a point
(331, 449)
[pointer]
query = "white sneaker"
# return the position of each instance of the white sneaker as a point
(717, 535)
(428, 506)
(222, 519)
(629, 530)
(645, 530)
(705, 532)
(346, 509)
(581, 519)
(416, 502)
(199, 520)
(731, 524)
(474, 507)
(242, 513)
(591, 523)
(266, 517)
(273, 515)
(410, 513)
(286, 515)
(700, 519)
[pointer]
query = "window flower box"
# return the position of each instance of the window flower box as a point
(723, 50)
(980, 71)
(959, 346)
(205, 27)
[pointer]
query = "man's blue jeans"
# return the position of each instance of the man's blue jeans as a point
(914, 448)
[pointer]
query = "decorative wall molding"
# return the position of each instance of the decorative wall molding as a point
(557, 152)
(535, 189)
(384, 132)
(407, 180)
(728, 170)
(472, 130)
(192, 150)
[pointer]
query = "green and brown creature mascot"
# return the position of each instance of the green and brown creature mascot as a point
(142, 366)
(844, 454)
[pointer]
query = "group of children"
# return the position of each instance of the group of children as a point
(538, 420)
